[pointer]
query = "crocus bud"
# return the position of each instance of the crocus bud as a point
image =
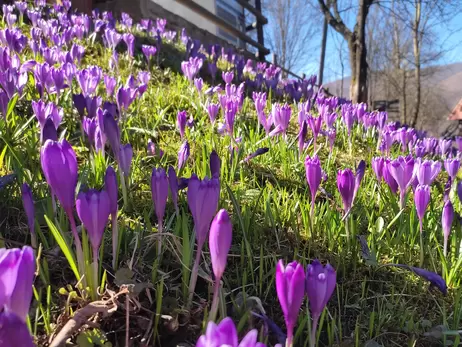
(220, 238)
(111, 187)
(125, 158)
(212, 110)
(421, 199)
(198, 83)
(14, 331)
(203, 196)
(215, 164)
(28, 203)
(48, 131)
(402, 170)
(227, 76)
(452, 167)
(320, 284)
(59, 165)
(173, 185)
(301, 137)
(111, 131)
(313, 173)
(388, 178)
(17, 272)
(359, 174)
(290, 288)
(377, 166)
(159, 189)
(446, 221)
(183, 154)
(93, 210)
(181, 120)
(346, 186)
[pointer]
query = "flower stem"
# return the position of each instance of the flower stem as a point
(216, 299)
(78, 246)
(124, 189)
(115, 240)
(290, 336)
(421, 246)
(314, 329)
(159, 239)
(193, 279)
(95, 274)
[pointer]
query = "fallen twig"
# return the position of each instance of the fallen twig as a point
(82, 315)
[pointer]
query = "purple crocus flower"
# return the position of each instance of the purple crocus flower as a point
(426, 171)
(88, 79)
(387, 141)
(89, 126)
(346, 187)
(59, 165)
(14, 331)
(313, 173)
(280, 115)
(110, 130)
(112, 38)
(434, 279)
(359, 174)
(377, 166)
(421, 199)
(43, 111)
(227, 76)
(203, 196)
(198, 83)
(331, 135)
(290, 288)
(212, 110)
(159, 189)
(225, 334)
(17, 272)
(230, 109)
(444, 146)
(452, 167)
(320, 285)
(402, 170)
(181, 120)
(93, 209)
(48, 131)
(301, 138)
(173, 185)
(110, 84)
(388, 178)
(446, 221)
(348, 117)
(191, 67)
(183, 154)
(260, 101)
(125, 158)
(129, 40)
(149, 52)
(220, 238)
(315, 125)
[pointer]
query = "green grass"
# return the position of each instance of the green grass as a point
(269, 202)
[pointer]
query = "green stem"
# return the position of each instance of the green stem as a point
(78, 246)
(115, 240)
(193, 279)
(421, 246)
(124, 189)
(314, 329)
(216, 299)
(95, 274)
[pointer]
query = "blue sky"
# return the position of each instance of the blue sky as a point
(451, 43)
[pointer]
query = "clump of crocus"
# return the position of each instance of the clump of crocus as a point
(446, 221)
(111, 187)
(313, 173)
(225, 334)
(402, 170)
(290, 288)
(203, 196)
(93, 209)
(17, 271)
(28, 204)
(59, 165)
(280, 116)
(220, 238)
(320, 285)
(159, 189)
(426, 171)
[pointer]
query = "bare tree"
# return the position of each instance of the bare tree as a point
(290, 32)
(356, 39)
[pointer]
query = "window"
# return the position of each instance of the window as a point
(233, 13)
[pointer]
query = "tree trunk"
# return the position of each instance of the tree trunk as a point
(417, 41)
(358, 56)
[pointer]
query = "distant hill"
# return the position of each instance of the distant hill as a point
(441, 91)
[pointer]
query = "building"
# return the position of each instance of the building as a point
(228, 10)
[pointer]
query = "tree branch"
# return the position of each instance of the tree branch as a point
(335, 21)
